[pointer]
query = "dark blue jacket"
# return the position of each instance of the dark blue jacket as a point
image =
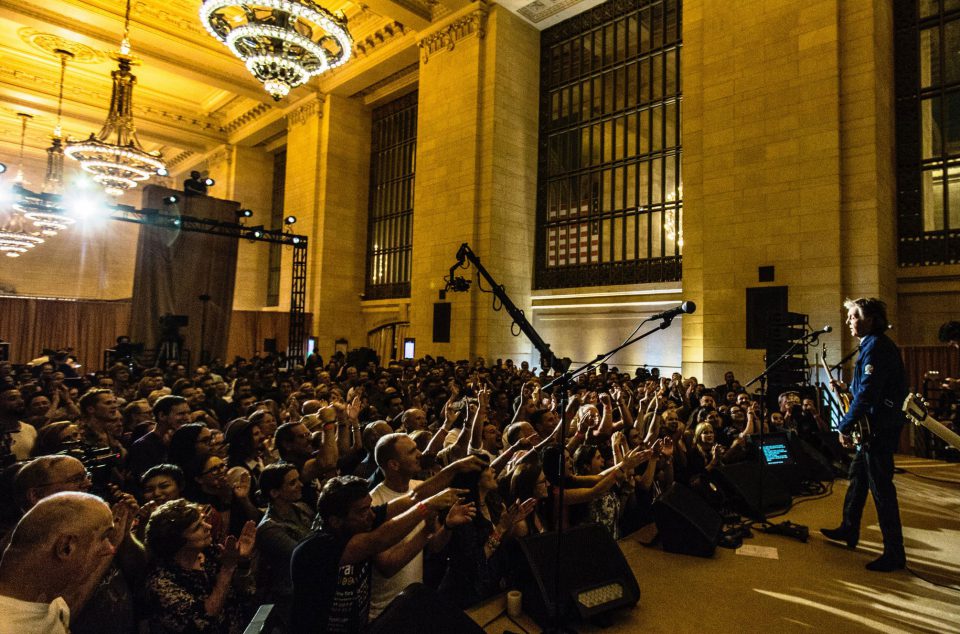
(879, 387)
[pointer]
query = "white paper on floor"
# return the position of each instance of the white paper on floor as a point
(766, 552)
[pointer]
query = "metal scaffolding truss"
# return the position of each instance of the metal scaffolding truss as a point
(50, 203)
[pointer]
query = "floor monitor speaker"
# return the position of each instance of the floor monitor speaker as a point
(686, 523)
(594, 576)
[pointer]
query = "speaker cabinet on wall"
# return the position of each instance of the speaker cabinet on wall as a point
(686, 523)
(441, 322)
(594, 576)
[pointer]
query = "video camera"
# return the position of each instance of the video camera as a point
(98, 461)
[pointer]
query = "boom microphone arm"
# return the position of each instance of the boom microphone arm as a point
(548, 360)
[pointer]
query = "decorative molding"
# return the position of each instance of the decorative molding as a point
(49, 43)
(302, 114)
(447, 37)
(224, 153)
(157, 12)
(82, 92)
(378, 37)
(401, 76)
(248, 116)
(179, 158)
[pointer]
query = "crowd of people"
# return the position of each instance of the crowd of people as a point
(170, 500)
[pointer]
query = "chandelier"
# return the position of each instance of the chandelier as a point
(15, 240)
(118, 164)
(282, 42)
(53, 182)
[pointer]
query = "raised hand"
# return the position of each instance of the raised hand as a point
(468, 465)
(444, 499)
(247, 539)
(460, 514)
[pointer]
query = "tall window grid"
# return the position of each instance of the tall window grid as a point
(393, 155)
(276, 222)
(928, 131)
(609, 196)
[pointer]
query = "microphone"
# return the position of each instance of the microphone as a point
(685, 307)
(817, 333)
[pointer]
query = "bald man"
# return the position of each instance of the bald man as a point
(57, 555)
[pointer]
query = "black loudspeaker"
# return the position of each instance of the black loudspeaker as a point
(594, 576)
(686, 523)
(762, 302)
(441, 322)
(420, 609)
(741, 483)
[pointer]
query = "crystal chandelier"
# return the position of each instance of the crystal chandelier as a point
(282, 42)
(15, 240)
(120, 164)
(53, 182)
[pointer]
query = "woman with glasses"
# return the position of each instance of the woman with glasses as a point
(207, 484)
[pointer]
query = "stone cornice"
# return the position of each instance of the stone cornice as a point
(445, 38)
(248, 116)
(305, 110)
(377, 38)
(402, 77)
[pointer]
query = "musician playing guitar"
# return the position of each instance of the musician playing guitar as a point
(877, 390)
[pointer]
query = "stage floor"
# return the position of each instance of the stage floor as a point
(818, 586)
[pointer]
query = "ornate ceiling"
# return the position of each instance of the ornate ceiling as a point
(192, 95)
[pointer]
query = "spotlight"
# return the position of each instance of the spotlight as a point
(244, 213)
(171, 200)
(258, 232)
(295, 240)
(290, 220)
(3, 168)
(162, 171)
(176, 222)
(209, 182)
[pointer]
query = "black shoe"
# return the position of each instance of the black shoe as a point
(841, 535)
(888, 563)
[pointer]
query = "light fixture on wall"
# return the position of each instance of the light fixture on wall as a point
(283, 42)
(115, 156)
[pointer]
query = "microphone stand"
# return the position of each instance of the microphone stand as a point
(548, 361)
(786, 527)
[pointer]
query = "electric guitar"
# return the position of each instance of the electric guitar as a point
(916, 410)
(861, 427)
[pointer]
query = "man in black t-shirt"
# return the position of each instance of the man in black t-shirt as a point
(331, 568)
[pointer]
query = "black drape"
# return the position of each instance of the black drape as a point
(175, 267)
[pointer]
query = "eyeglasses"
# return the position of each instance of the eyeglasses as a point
(216, 469)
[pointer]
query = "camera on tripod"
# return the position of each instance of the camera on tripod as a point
(98, 461)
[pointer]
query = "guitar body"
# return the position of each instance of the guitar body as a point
(861, 427)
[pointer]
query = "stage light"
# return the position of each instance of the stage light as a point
(258, 232)
(295, 240)
(209, 182)
(173, 199)
(163, 171)
(244, 213)
(85, 202)
(290, 220)
(176, 222)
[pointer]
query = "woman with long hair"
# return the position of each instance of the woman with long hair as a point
(477, 561)
(191, 588)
